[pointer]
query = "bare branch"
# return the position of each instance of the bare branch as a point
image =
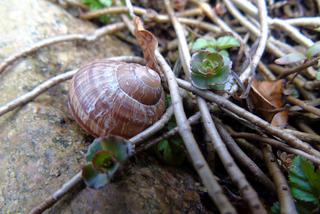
(304, 105)
(58, 39)
(198, 161)
(224, 103)
(286, 201)
(276, 144)
(294, 33)
(77, 179)
(43, 87)
(246, 161)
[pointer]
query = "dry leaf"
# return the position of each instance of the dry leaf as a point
(148, 43)
(267, 98)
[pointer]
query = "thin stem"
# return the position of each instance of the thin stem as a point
(286, 201)
(198, 160)
(304, 105)
(276, 144)
(235, 173)
(224, 103)
(245, 160)
(248, 193)
(56, 196)
(43, 87)
(293, 32)
(58, 39)
(299, 68)
(77, 179)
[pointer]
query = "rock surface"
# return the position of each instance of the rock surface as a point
(41, 147)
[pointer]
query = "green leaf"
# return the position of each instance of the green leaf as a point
(275, 209)
(94, 147)
(206, 64)
(93, 178)
(103, 161)
(120, 148)
(168, 100)
(203, 43)
(317, 29)
(106, 3)
(313, 50)
(210, 71)
(171, 151)
(304, 181)
(99, 4)
(227, 42)
(290, 58)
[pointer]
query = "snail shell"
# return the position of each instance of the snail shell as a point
(118, 98)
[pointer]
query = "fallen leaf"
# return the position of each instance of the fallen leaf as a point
(148, 43)
(313, 50)
(290, 58)
(267, 98)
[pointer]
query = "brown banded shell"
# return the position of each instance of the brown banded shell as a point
(118, 98)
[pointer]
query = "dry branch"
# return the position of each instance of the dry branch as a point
(224, 103)
(235, 173)
(286, 201)
(77, 179)
(198, 161)
(276, 144)
(58, 39)
(293, 32)
(43, 87)
(244, 159)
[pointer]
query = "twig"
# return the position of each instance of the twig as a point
(243, 158)
(253, 151)
(224, 103)
(235, 173)
(154, 128)
(224, 26)
(246, 190)
(299, 68)
(250, 70)
(159, 18)
(297, 81)
(136, 10)
(304, 21)
(253, 29)
(276, 144)
(313, 103)
(143, 146)
(312, 85)
(58, 39)
(304, 105)
(43, 87)
(198, 161)
(56, 196)
(294, 33)
(286, 201)
(77, 179)
(21, 100)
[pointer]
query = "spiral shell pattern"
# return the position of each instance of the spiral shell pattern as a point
(117, 98)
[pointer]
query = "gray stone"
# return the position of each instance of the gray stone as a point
(40, 145)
